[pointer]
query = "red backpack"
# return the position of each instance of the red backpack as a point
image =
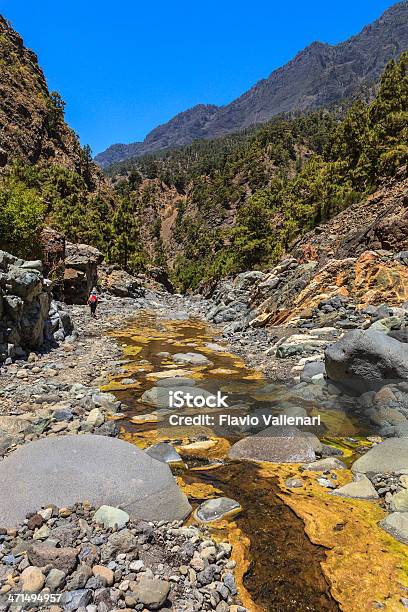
(93, 299)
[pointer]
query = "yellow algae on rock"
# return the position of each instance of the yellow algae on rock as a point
(132, 351)
(363, 563)
(168, 374)
(116, 385)
(198, 490)
(197, 446)
(140, 419)
(222, 372)
(217, 449)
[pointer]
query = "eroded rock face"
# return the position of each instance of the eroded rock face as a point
(24, 305)
(81, 272)
(121, 283)
(293, 287)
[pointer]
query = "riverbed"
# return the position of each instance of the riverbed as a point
(295, 549)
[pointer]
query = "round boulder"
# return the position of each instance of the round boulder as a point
(105, 471)
(364, 359)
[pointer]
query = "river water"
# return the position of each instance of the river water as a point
(279, 568)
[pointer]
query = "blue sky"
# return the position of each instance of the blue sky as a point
(124, 67)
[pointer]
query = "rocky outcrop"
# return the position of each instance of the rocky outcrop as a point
(81, 272)
(231, 299)
(52, 250)
(29, 319)
(24, 305)
(356, 260)
(292, 290)
(379, 222)
(122, 284)
(32, 129)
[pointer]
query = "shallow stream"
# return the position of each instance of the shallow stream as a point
(279, 568)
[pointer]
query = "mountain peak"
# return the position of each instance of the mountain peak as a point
(319, 75)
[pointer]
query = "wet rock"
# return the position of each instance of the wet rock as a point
(175, 381)
(329, 463)
(216, 509)
(195, 359)
(111, 517)
(325, 482)
(160, 396)
(163, 451)
(293, 483)
(360, 488)
(277, 445)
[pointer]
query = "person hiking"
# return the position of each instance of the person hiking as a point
(93, 302)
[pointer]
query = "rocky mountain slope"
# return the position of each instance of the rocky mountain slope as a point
(46, 177)
(31, 118)
(320, 75)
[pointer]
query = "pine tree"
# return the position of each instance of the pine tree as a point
(127, 249)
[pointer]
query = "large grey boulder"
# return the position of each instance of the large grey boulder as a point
(216, 509)
(396, 524)
(123, 284)
(277, 445)
(105, 471)
(364, 359)
(391, 456)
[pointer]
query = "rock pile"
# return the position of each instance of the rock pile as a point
(231, 300)
(97, 566)
(29, 319)
(59, 408)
